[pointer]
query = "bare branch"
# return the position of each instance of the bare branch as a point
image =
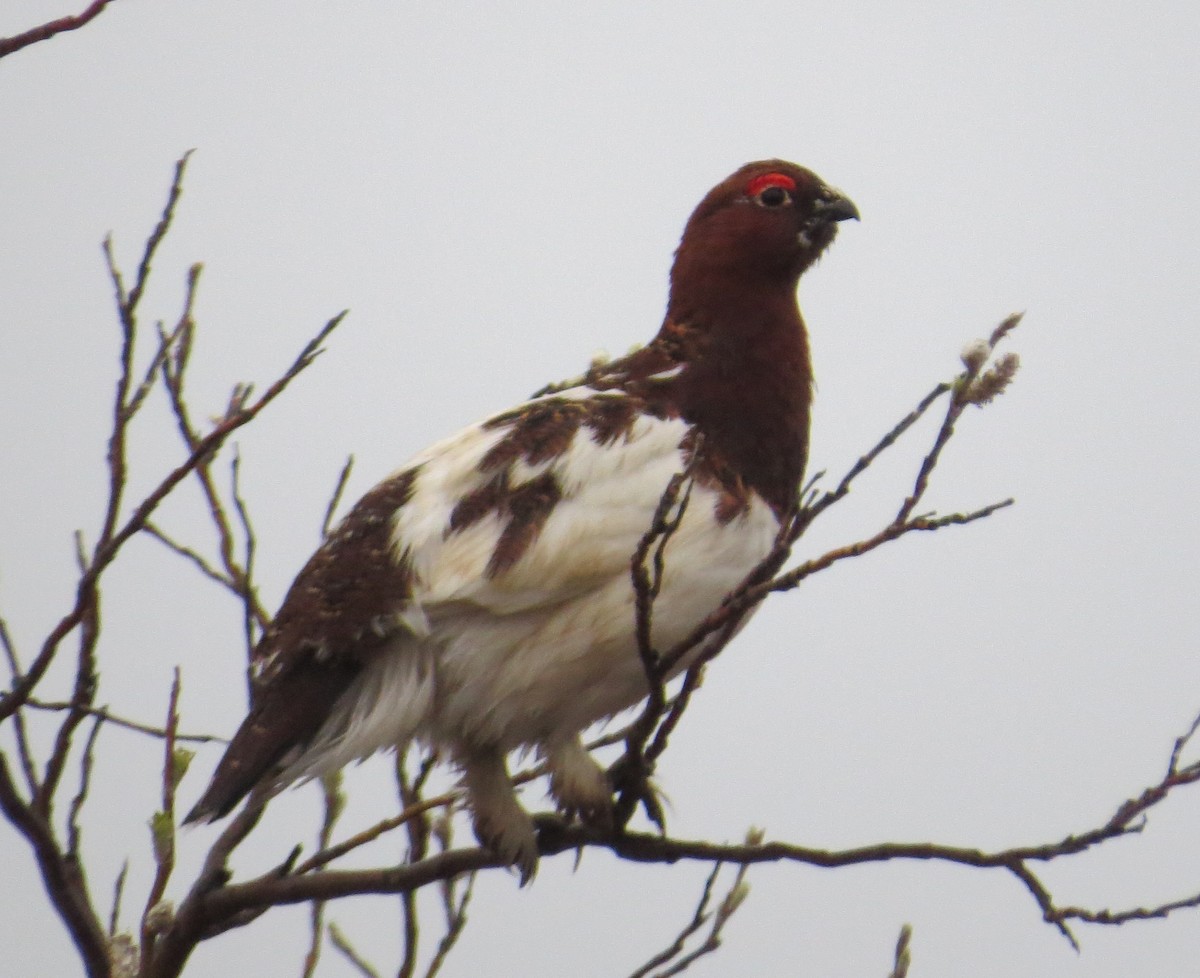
(85, 782)
(237, 576)
(631, 773)
(24, 754)
(930, 461)
(810, 513)
(12, 700)
(235, 901)
(674, 957)
(162, 824)
(326, 856)
(104, 714)
(1043, 899)
(166, 343)
(1118, 917)
(82, 699)
(63, 879)
(177, 941)
(1181, 743)
(254, 616)
(9, 45)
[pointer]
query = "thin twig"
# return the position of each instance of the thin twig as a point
(336, 497)
(44, 32)
(1044, 900)
(729, 905)
(333, 803)
(1181, 743)
(634, 767)
(192, 921)
(1118, 917)
(106, 715)
(192, 556)
(933, 456)
(114, 917)
(166, 343)
(902, 958)
(419, 832)
(699, 918)
(237, 576)
(326, 856)
(62, 878)
(82, 699)
(748, 597)
(342, 943)
(12, 700)
(162, 826)
(24, 754)
(254, 617)
(827, 499)
(456, 921)
(86, 763)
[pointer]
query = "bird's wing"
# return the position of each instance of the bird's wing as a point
(537, 505)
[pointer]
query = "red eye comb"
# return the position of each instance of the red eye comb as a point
(761, 183)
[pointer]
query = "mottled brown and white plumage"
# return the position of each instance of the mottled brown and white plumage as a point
(480, 600)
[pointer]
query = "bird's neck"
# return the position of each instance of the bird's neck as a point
(747, 383)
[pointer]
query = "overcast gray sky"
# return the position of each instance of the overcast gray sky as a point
(495, 191)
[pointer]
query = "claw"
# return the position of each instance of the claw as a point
(500, 823)
(579, 785)
(513, 842)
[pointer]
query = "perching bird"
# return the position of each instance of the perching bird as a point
(480, 599)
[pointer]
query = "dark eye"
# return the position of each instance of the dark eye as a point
(773, 197)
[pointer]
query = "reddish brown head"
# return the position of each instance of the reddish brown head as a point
(758, 229)
(732, 318)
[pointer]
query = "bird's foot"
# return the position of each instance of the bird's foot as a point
(512, 838)
(579, 785)
(501, 824)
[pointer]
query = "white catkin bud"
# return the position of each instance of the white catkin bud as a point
(737, 896)
(974, 355)
(123, 956)
(160, 916)
(1008, 365)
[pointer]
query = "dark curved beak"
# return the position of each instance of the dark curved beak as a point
(837, 208)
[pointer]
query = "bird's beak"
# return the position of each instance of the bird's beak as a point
(836, 207)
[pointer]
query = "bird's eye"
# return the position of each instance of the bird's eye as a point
(773, 197)
(771, 189)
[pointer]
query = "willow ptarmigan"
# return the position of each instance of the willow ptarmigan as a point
(480, 599)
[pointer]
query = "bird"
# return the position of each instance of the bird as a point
(479, 600)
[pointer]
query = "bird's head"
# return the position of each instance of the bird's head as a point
(767, 222)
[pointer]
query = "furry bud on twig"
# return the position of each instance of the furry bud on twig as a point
(992, 383)
(974, 355)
